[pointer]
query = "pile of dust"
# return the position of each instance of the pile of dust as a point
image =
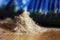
(21, 24)
(24, 24)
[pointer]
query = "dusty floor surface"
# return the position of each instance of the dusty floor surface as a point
(7, 35)
(26, 25)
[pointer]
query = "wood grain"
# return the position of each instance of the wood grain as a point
(48, 35)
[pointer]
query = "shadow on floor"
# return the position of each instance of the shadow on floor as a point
(51, 20)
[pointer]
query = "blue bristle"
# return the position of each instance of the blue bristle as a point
(59, 5)
(37, 4)
(4, 3)
(55, 6)
(50, 5)
(33, 2)
(42, 6)
(25, 6)
(46, 7)
(18, 5)
(29, 6)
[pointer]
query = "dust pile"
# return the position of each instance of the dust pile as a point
(24, 24)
